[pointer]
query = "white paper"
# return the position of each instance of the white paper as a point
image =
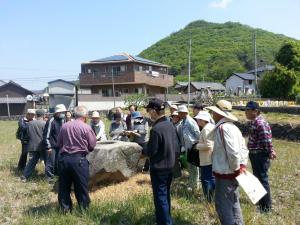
(251, 185)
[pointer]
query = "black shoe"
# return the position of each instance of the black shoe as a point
(23, 179)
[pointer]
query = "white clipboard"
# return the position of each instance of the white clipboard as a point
(251, 185)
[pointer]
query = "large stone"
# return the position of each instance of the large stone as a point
(113, 161)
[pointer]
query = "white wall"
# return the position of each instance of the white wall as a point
(60, 87)
(101, 105)
(234, 82)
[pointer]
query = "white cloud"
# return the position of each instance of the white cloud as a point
(220, 4)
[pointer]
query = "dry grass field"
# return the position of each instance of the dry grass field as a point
(130, 202)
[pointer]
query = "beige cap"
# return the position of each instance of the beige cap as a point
(95, 114)
(174, 107)
(183, 108)
(30, 111)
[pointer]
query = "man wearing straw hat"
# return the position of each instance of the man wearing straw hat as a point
(229, 159)
(98, 127)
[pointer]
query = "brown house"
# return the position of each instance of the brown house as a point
(125, 73)
(13, 97)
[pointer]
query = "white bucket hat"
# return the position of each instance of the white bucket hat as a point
(95, 114)
(60, 108)
(223, 108)
(183, 108)
(203, 115)
(30, 111)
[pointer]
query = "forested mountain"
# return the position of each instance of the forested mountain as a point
(217, 49)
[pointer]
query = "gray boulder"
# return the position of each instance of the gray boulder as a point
(113, 161)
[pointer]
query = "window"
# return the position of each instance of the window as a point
(150, 68)
(123, 68)
(89, 71)
(125, 90)
(106, 92)
(250, 82)
(136, 90)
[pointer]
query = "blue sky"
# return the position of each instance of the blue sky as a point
(45, 40)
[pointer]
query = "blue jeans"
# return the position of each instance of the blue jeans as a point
(51, 163)
(260, 163)
(208, 182)
(162, 200)
(73, 169)
(32, 163)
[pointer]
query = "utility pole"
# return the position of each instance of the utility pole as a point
(8, 111)
(255, 64)
(189, 73)
(113, 86)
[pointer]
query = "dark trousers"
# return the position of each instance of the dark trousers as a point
(23, 157)
(35, 156)
(162, 200)
(208, 182)
(73, 169)
(51, 163)
(260, 163)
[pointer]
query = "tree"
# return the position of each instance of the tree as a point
(278, 83)
(136, 99)
(289, 55)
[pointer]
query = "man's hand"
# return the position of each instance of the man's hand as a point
(272, 155)
(49, 151)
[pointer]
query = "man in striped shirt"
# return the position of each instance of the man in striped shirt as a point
(260, 150)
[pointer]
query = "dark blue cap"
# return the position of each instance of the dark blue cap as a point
(252, 105)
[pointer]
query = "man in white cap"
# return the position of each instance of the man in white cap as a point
(50, 135)
(98, 126)
(23, 137)
(189, 133)
(229, 159)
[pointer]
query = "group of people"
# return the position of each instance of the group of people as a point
(63, 142)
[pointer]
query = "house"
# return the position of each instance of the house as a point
(120, 75)
(196, 87)
(14, 99)
(245, 83)
(61, 92)
(240, 84)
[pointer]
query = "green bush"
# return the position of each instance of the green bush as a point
(297, 99)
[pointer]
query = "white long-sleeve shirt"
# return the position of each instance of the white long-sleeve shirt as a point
(229, 150)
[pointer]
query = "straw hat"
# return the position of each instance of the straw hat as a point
(60, 108)
(95, 114)
(183, 108)
(223, 108)
(203, 115)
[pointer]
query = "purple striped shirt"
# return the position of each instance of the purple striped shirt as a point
(76, 136)
(260, 135)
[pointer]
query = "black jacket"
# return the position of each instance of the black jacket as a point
(51, 132)
(163, 146)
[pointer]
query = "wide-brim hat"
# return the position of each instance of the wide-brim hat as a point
(183, 108)
(223, 108)
(95, 114)
(60, 108)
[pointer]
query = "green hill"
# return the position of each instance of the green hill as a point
(217, 50)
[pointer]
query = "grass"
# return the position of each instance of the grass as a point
(131, 202)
